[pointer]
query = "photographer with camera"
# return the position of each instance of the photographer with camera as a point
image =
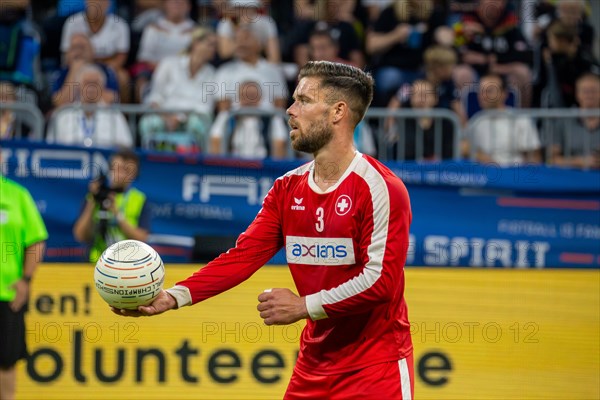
(113, 210)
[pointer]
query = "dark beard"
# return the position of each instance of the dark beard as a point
(320, 134)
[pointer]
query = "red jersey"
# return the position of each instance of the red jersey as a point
(346, 248)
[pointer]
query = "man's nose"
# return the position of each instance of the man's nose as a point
(291, 109)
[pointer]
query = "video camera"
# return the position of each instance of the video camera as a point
(104, 190)
(101, 199)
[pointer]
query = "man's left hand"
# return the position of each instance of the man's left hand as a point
(281, 307)
(20, 299)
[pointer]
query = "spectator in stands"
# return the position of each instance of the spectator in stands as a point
(109, 35)
(323, 46)
(500, 137)
(544, 12)
(493, 42)
(458, 8)
(572, 14)
(187, 83)
(242, 12)
(80, 53)
(577, 142)
(52, 26)
(8, 118)
(308, 10)
(337, 17)
(168, 36)
(434, 146)
(375, 7)
(113, 210)
(12, 123)
(208, 12)
(563, 61)
(250, 66)
(303, 12)
(439, 65)
(66, 8)
(397, 42)
(19, 45)
(144, 13)
(249, 136)
(99, 127)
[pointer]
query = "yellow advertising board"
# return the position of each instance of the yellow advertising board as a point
(478, 334)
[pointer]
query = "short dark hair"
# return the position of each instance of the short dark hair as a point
(345, 82)
(128, 156)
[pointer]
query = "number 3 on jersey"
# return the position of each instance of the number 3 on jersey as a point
(320, 225)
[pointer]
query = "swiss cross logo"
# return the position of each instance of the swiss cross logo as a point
(343, 204)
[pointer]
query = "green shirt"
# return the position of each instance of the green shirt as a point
(21, 226)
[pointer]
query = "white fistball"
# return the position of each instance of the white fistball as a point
(129, 274)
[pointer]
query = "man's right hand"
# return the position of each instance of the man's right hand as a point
(163, 302)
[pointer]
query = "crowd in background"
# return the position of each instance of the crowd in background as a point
(196, 64)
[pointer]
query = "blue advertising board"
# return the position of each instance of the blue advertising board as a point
(464, 214)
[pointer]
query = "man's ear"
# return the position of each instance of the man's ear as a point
(340, 110)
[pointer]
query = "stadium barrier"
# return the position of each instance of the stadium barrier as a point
(133, 113)
(376, 125)
(377, 118)
(550, 124)
(477, 334)
(27, 114)
(258, 112)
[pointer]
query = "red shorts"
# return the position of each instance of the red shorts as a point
(385, 381)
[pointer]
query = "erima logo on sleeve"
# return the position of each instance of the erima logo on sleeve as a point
(319, 251)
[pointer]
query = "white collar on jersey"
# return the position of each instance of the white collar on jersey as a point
(311, 175)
